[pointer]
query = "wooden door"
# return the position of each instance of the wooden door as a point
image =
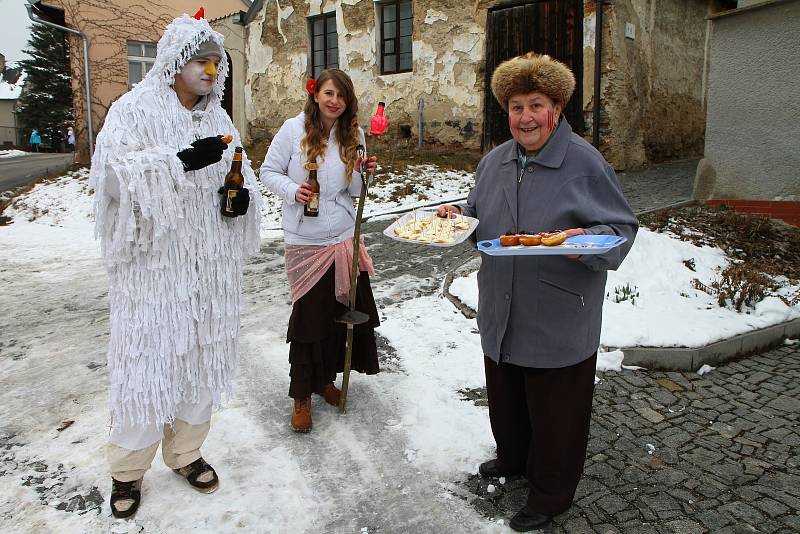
(553, 27)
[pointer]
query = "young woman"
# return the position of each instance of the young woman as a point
(319, 250)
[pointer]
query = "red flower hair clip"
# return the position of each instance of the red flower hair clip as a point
(311, 86)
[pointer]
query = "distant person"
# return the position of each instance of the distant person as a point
(35, 140)
(70, 139)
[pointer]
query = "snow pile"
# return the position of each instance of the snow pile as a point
(11, 153)
(668, 311)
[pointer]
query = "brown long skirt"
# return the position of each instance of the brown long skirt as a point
(317, 341)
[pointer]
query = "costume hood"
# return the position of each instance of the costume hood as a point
(179, 44)
(532, 72)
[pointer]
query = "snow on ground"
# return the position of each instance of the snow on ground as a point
(664, 308)
(11, 153)
(389, 463)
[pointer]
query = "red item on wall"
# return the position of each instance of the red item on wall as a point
(379, 123)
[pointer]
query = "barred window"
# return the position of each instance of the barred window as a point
(324, 43)
(140, 59)
(396, 20)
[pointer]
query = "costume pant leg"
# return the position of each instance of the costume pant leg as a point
(182, 442)
(508, 413)
(560, 408)
(127, 464)
(183, 439)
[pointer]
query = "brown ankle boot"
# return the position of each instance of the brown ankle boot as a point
(301, 415)
(331, 394)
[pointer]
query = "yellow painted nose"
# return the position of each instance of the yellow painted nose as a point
(211, 69)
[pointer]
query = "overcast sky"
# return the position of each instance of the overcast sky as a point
(14, 29)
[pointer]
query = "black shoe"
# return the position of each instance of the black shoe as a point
(493, 469)
(200, 475)
(125, 497)
(526, 521)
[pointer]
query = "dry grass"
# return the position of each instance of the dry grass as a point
(759, 246)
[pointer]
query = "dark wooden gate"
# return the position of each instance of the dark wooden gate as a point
(553, 27)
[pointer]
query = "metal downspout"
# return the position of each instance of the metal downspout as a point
(82, 35)
(598, 49)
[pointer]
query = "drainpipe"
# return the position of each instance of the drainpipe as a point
(598, 49)
(420, 122)
(82, 35)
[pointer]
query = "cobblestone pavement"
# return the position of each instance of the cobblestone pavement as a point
(679, 452)
(660, 185)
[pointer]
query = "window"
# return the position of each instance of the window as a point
(324, 43)
(396, 22)
(140, 58)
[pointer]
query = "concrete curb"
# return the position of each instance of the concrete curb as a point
(667, 358)
(691, 359)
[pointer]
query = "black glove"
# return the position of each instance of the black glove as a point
(240, 202)
(204, 152)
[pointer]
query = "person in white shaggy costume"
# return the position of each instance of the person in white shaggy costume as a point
(174, 262)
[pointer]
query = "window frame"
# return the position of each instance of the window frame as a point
(396, 40)
(326, 18)
(145, 61)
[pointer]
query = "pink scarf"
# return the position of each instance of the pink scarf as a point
(306, 264)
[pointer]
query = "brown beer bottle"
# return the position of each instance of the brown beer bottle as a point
(234, 182)
(312, 208)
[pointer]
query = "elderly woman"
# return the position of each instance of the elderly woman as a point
(539, 316)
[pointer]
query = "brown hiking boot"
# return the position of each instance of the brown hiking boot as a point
(301, 415)
(331, 394)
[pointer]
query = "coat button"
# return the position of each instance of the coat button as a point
(508, 297)
(506, 357)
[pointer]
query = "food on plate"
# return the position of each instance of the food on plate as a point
(551, 239)
(428, 228)
(530, 240)
(509, 240)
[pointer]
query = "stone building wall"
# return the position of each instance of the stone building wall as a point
(447, 61)
(651, 88)
(652, 85)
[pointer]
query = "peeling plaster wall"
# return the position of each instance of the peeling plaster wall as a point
(448, 54)
(651, 88)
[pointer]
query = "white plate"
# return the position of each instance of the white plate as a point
(459, 236)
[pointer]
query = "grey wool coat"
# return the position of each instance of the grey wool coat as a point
(546, 311)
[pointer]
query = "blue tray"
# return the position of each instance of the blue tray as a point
(577, 244)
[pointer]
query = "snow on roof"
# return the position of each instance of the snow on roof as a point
(11, 91)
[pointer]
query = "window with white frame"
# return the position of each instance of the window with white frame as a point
(324, 43)
(396, 24)
(140, 59)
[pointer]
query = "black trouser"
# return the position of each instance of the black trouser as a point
(540, 421)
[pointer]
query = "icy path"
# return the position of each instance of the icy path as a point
(376, 469)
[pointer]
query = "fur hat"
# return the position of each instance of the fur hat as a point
(532, 72)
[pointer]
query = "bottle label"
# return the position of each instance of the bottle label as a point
(313, 202)
(229, 201)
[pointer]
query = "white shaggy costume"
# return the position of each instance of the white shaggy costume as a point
(174, 263)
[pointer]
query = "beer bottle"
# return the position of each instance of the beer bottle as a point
(312, 208)
(234, 182)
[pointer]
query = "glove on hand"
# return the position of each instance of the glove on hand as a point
(204, 152)
(240, 202)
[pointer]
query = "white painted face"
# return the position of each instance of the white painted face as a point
(199, 74)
